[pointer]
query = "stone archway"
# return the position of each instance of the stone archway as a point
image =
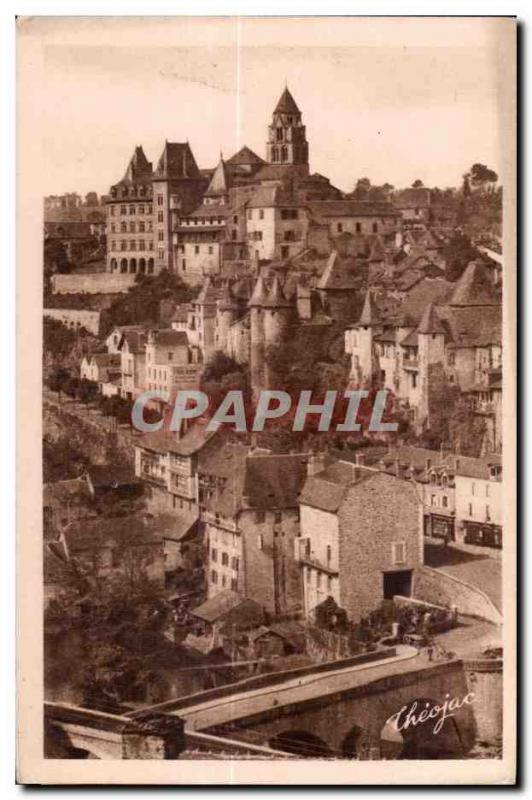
(142, 266)
(301, 743)
(351, 742)
(132, 265)
(151, 264)
(114, 265)
(123, 265)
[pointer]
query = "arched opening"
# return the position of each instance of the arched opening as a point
(132, 265)
(114, 265)
(123, 265)
(426, 738)
(150, 266)
(351, 742)
(301, 743)
(142, 266)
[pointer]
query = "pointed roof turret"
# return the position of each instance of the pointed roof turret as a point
(430, 322)
(370, 314)
(245, 156)
(139, 167)
(220, 181)
(259, 294)
(227, 302)
(275, 297)
(286, 104)
(177, 161)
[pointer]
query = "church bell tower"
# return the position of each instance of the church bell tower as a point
(287, 141)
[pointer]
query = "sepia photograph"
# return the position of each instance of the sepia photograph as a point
(267, 334)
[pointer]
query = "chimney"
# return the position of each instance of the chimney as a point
(316, 463)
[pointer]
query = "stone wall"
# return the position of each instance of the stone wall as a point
(92, 283)
(437, 587)
(75, 318)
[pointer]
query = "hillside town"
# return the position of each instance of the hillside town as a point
(180, 561)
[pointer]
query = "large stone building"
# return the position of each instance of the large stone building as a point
(361, 538)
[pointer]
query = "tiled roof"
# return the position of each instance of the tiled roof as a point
(245, 156)
(276, 172)
(106, 359)
(471, 326)
(139, 169)
(370, 313)
(177, 161)
(220, 181)
(271, 196)
(474, 288)
(326, 490)
(170, 338)
(221, 605)
(339, 273)
(430, 322)
(136, 340)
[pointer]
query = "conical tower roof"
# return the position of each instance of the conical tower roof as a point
(275, 297)
(286, 104)
(259, 294)
(220, 181)
(139, 167)
(227, 302)
(430, 322)
(370, 314)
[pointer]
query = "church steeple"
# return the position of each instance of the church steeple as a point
(287, 141)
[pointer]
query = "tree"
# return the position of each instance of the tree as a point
(58, 379)
(482, 176)
(418, 184)
(87, 390)
(220, 365)
(457, 254)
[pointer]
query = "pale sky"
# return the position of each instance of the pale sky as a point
(392, 111)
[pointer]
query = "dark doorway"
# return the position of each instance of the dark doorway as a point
(397, 583)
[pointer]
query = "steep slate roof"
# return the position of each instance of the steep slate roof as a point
(275, 297)
(105, 359)
(136, 341)
(170, 338)
(271, 197)
(453, 463)
(370, 313)
(471, 326)
(286, 104)
(209, 294)
(245, 156)
(176, 161)
(260, 481)
(139, 169)
(338, 274)
(430, 322)
(220, 181)
(259, 293)
(277, 172)
(473, 287)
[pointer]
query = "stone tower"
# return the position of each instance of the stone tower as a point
(257, 343)
(360, 345)
(287, 141)
(276, 318)
(431, 351)
(226, 314)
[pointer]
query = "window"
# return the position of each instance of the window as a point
(113, 228)
(234, 584)
(414, 380)
(329, 553)
(160, 254)
(225, 560)
(131, 209)
(260, 517)
(224, 581)
(196, 249)
(398, 552)
(123, 210)
(159, 199)
(235, 220)
(470, 509)
(132, 227)
(473, 489)
(250, 214)
(358, 227)
(123, 245)
(488, 514)
(318, 580)
(142, 244)
(433, 499)
(444, 501)
(123, 227)
(285, 251)
(184, 265)
(235, 563)
(160, 216)
(214, 576)
(487, 490)
(260, 541)
(112, 211)
(339, 227)
(214, 554)
(142, 227)
(329, 584)
(141, 210)
(278, 516)
(261, 213)
(160, 236)
(375, 227)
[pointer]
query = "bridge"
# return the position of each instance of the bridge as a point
(339, 709)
